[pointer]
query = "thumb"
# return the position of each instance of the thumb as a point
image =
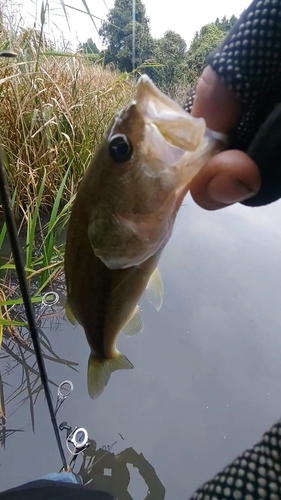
(216, 103)
(231, 176)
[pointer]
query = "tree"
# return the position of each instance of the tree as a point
(172, 47)
(89, 47)
(143, 47)
(180, 67)
(225, 24)
(204, 42)
(117, 34)
(169, 52)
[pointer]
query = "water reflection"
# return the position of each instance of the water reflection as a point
(206, 382)
(17, 354)
(110, 472)
(5, 433)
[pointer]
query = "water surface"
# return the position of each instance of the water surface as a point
(206, 382)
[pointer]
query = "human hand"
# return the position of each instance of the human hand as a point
(231, 176)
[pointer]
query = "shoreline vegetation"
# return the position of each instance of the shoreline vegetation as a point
(54, 111)
(56, 104)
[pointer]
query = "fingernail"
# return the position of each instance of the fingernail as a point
(226, 189)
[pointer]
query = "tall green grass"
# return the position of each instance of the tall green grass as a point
(54, 111)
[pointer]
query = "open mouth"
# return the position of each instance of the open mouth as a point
(175, 124)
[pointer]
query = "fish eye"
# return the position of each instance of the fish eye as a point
(120, 149)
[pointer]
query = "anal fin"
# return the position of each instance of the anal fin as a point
(135, 323)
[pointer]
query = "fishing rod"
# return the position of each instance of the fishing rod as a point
(19, 264)
(18, 259)
(77, 436)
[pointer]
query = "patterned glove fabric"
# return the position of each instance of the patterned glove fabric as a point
(249, 62)
(255, 475)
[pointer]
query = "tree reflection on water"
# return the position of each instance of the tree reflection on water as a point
(106, 471)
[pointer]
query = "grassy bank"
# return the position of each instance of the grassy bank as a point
(53, 114)
(54, 110)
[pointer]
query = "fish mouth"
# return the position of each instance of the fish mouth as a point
(176, 125)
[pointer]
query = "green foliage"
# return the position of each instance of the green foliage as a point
(90, 49)
(208, 39)
(53, 115)
(169, 51)
(117, 34)
(173, 66)
(225, 24)
(203, 43)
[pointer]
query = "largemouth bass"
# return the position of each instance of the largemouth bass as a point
(123, 216)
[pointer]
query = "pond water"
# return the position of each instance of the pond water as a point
(206, 382)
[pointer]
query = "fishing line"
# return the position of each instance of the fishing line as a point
(134, 36)
(19, 264)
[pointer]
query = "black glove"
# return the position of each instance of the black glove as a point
(249, 63)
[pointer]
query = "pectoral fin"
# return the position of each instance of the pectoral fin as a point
(155, 290)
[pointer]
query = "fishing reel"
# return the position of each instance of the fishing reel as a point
(77, 438)
(77, 441)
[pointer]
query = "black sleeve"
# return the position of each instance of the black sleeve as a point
(46, 490)
(256, 474)
(249, 62)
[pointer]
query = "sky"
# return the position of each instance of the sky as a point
(183, 17)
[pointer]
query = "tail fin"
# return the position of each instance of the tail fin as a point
(99, 371)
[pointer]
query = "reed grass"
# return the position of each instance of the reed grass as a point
(55, 106)
(53, 114)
